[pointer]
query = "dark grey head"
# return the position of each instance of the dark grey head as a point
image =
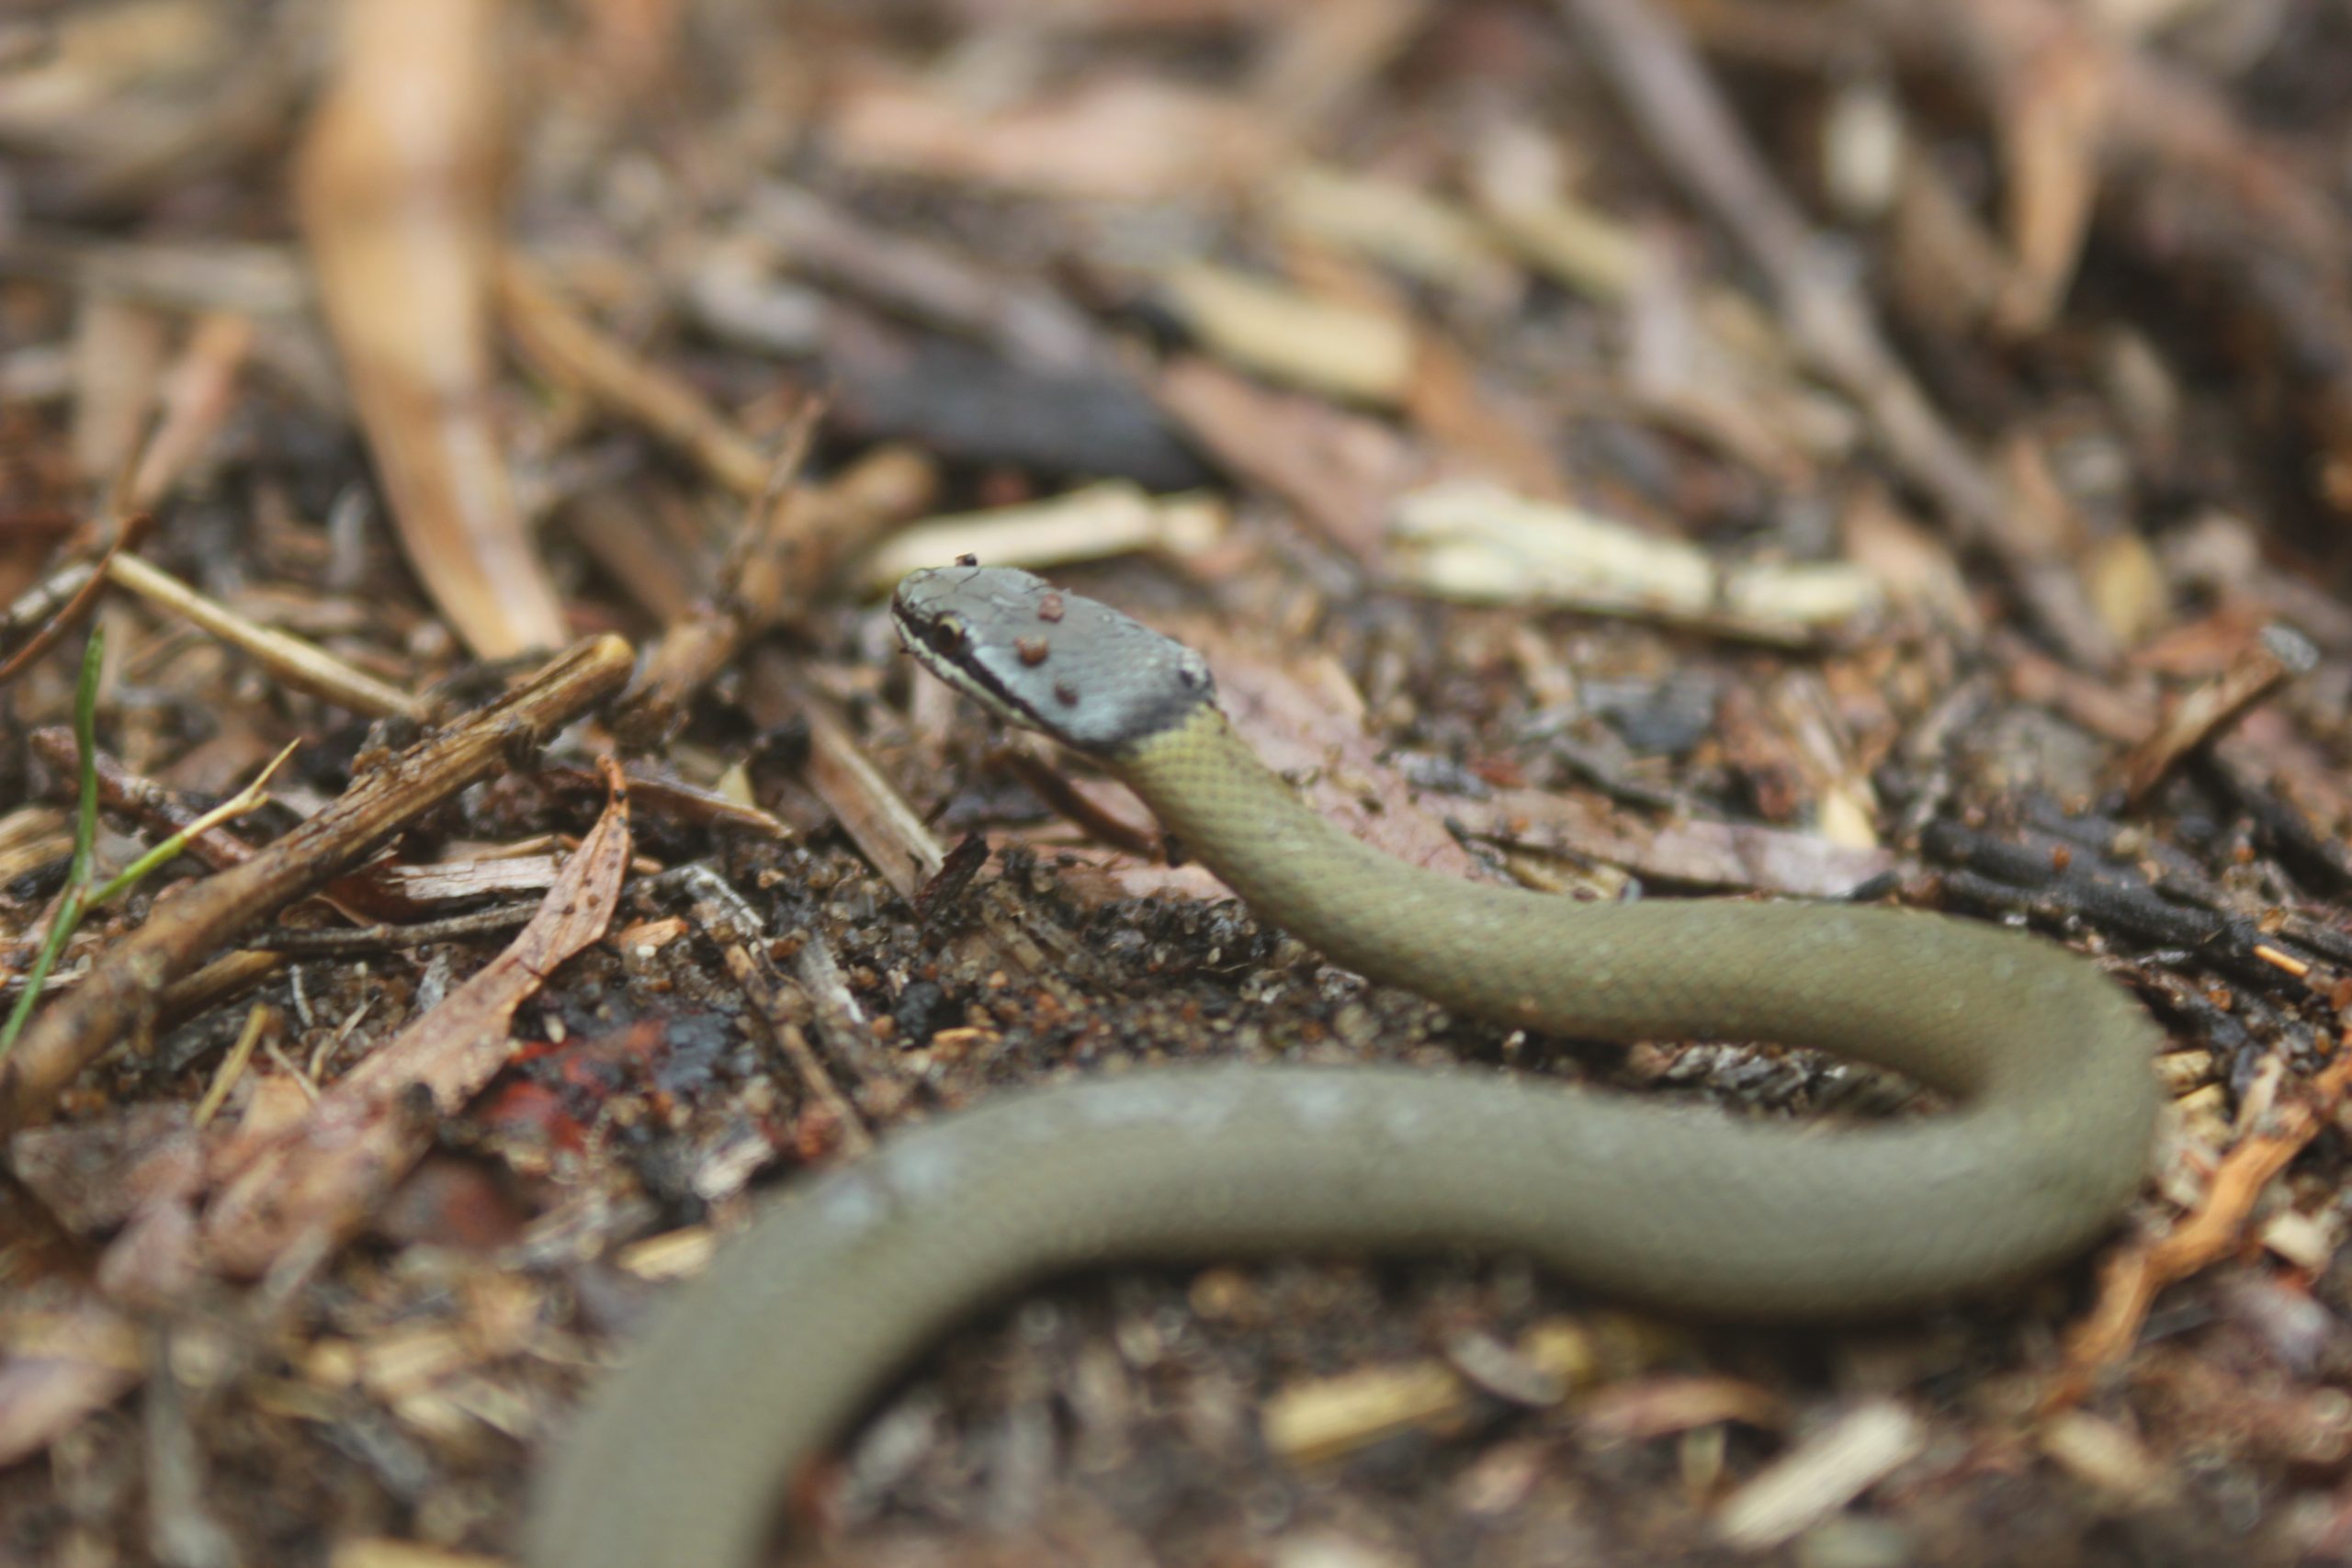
(1069, 668)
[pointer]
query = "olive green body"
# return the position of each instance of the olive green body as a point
(683, 1457)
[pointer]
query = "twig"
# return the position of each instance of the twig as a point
(947, 888)
(732, 924)
(302, 665)
(795, 540)
(366, 896)
(1029, 324)
(254, 797)
(122, 988)
(1107, 518)
(141, 800)
(2131, 1277)
(2265, 663)
(261, 1020)
(568, 349)
(44, 600)
(339, 939)
(657, 794)
(2048, 883)
(690, 652)
(227, 975)
(885, 828)
(79, 600)
(2317, 856)
(197, 394)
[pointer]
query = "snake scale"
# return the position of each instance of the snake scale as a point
(681, 1457)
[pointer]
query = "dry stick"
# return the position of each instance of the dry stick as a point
(302, 665)
(827, 1007)
(2322, 857)
(199, 393)
(248, 279)
(693, 650)
(368, 939)
(135, 795)
(777, 1003)
(795, 538)
(78, 602)
(662, 795)
(905, 276)
(121, 991)
(891, 834)
(230, 974)
(734, 927)
(953, 879)
(782, 570)
(2131, 1278)
(572, 352)
(1047, 782)
(1692, 130)
(885, 828)
(196, 398)
(2277, 655)
(44, 600)
(360, 898)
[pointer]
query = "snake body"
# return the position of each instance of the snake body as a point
(682, 1457)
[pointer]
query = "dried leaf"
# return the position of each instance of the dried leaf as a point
(398, 186)
(322, 1178)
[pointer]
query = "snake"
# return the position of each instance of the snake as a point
(749, 1372)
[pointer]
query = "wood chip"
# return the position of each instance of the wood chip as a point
(1294, 337)
(1470, 541)
(1820, 1476)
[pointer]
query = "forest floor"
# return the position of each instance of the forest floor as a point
(1865, 449)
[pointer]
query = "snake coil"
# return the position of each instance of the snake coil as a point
(755, 1366)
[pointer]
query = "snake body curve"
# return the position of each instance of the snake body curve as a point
(680, 1459)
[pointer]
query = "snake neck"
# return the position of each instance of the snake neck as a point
(1364, 909)
(1943, 1000)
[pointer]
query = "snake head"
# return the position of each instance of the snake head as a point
(1075, 670)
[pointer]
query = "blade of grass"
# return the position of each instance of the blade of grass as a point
(74, 898)
(78, 899)
(251, 799)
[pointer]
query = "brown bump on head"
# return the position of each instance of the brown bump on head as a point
(1066, 694)
(1050, 608)
(967, 560)
(1032, 649)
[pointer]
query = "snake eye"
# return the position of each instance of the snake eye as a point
(947, 635)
